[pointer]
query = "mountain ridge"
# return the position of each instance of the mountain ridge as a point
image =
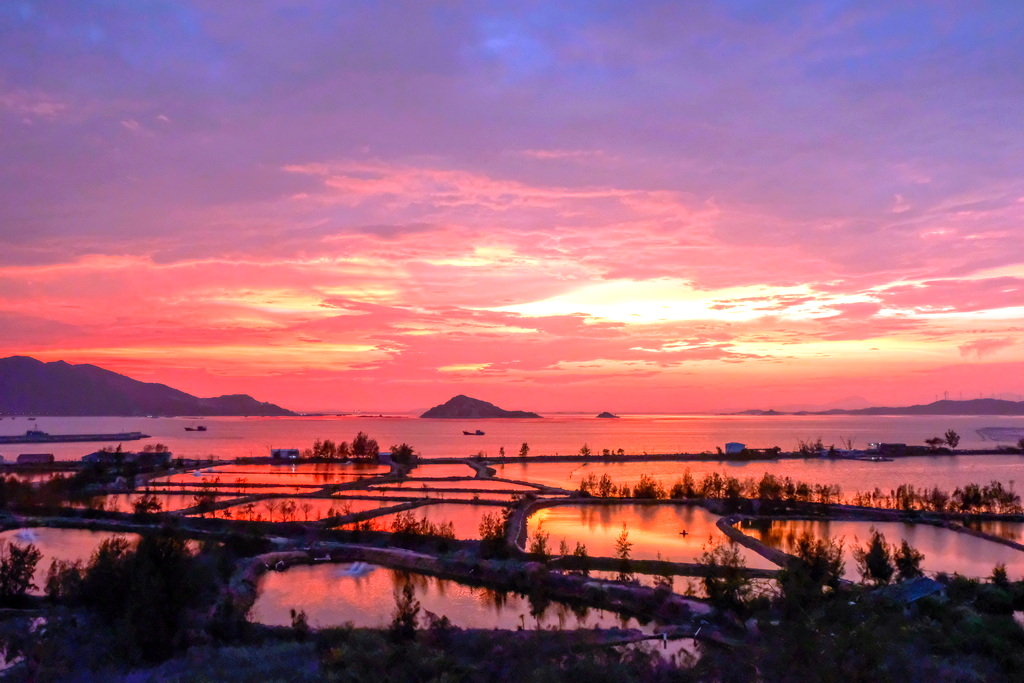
(32, 387)
(463, 407)
(974, 406)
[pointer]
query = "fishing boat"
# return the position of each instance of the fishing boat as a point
(476, 433)
(200, 428)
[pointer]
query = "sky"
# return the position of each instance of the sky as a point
(628, 206)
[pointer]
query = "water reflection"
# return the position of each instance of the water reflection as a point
(330, 596)
(59, 544)
(1013, 531)
(295, 509)
(946, 472)
(674, 532)
(464, 518)
(944, 550)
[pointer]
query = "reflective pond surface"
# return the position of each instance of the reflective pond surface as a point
(330, 595)
(59, 544)
(652, 529)
(946, 472)
(1013, 531)
(294, 509)
(125, 502)
(464, 517)
(944, 550)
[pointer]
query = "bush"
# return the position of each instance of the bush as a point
(17, 566)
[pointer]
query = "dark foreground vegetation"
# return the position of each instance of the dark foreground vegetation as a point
(174, 606)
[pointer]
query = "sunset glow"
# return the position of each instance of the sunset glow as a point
(646, 207)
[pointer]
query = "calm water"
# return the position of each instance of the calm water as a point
(59, 544)
(947, 472)
(295, 509)
(232, 437)
(330, 597)
(1013, 531)
(125, 502)
(465, 518)
(653, 529)
(944, 550)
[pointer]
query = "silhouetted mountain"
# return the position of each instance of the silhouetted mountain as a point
(977, 406)
(466, 408)
(31, 387)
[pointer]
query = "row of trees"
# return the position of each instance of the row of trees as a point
(993, 497)
(950, 438)
(713, 485)
(970, 498)
(361, 448)
(817, 567)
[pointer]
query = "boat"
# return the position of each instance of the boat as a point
(200, 428)
(476, 433)
(39, 436)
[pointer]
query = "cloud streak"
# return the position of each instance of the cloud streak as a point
(678, 207)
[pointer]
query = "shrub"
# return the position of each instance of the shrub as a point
(17, 566)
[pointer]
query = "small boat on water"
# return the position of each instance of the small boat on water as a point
(476, 433)
(200, 428)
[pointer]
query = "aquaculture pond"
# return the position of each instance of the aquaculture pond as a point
(677, 532)
(945, 472)
(443, 470)
(220, 477)
(464, 517)
(125, 502)
(333, 594)
(1013, 531)
(294, 509)
(944, 550)
(59, 544)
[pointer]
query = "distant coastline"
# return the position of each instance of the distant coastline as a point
(977, 406)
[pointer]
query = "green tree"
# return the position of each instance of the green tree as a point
(146, 505)
(492, 534)
(817, 564)
(952, 438)
(406, 616)
(17, 567)
(539, 545)
(585, 451)
(725, 579)
(404, 454)
(908, 562)
(363, 447)
(623, 548)
(1000, 576)
(875, 560)
(580, 553)
(524, 450)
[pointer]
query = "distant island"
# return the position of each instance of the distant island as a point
(32, 387)
(465, 408)
(606, 414)
(976, 406)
